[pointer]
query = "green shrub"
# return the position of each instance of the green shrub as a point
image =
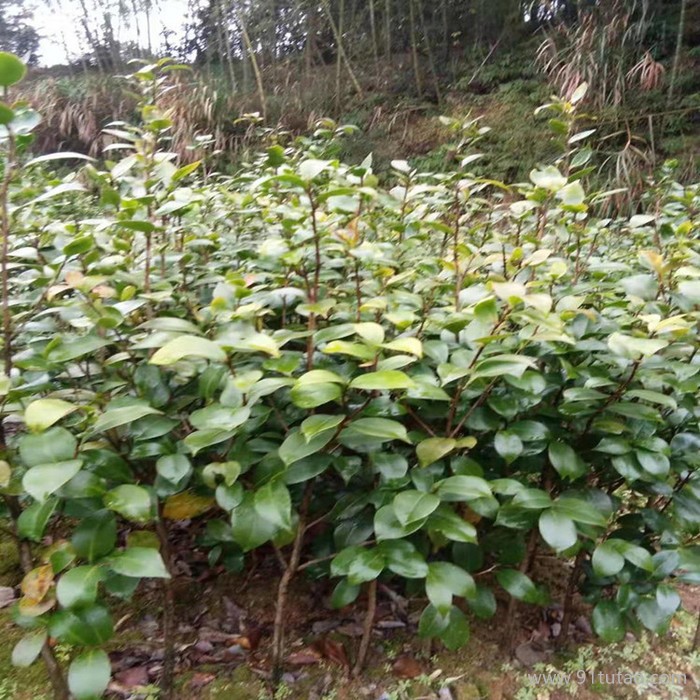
(435, 378)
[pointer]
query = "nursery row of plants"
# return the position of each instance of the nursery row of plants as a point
(422, 381)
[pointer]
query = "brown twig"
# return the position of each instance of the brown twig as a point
(367, 629)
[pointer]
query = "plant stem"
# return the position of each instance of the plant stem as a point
(367, 629)
(283, 588)
(168, 675)
(568, 599)
(10, 167)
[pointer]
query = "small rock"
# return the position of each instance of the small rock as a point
(555, 629)
(529, 655)
(235, 650)
(204, 646)
(289, 678)
(445, 694)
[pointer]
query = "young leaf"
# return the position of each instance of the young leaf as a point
(89, 674)
(43, 413)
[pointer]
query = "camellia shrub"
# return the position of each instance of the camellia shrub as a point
(427, 380)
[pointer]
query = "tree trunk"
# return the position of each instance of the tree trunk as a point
(414, 47)
(679, 50)
(253, 61)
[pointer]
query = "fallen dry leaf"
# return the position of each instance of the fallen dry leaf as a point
(7, 596)
(304, 657)
(131, 677)
(333, 651)
(406, 667)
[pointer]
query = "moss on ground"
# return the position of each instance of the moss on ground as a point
(18, 683)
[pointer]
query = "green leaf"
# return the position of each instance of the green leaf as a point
(95, 536)
(358, 350)
(414, 506)
(532, 499)
(173, 468)
(12, 70)
(389, 465)
(273, 503)
(654, 463)
(344, 594)
(229, 471)
(432, 623)
(382, 381)
(520, 586)
(667, 599)
(388, 527)
(54, 445)
(653, 617)
(6, 114)
(382, 428)
(403, 559)
(608, 622)
(89, 674)
(90, 625)
(434, 449)
(572, 194)
(139, 562)
(508, 445)
(201, 439)
(313, 425)
(558, 531)
(313, 395)
(188, 346)
(548, 178)
(218, 417)
(366, 566)
(311, 168)
(635, 348)
(457, 632)
(28, 649)
(411, 346)
(371, 332)
(580, 511)
(116, 417)
(607, 560)
(33, 520)
(566, 461)
(248, 527)
(502, 365)
(482, 602)
(43, 413)
(295, 446)
(79, 586)
(131, 501)
(445, 580)
(451, 525)
(43, 480)
(462, 488)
